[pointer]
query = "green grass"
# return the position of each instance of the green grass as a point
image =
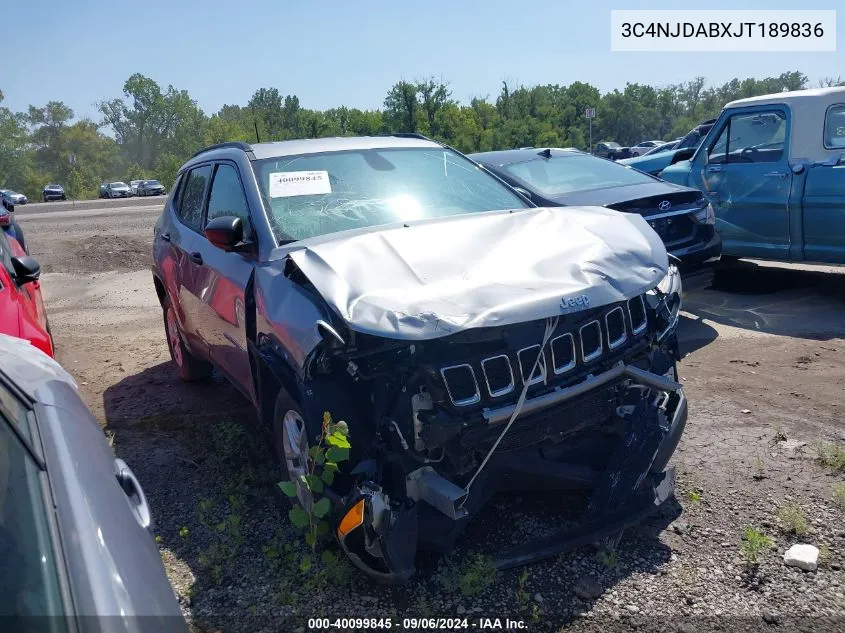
(471, 578)
(793, 519)
(754, 543)
(832, 456)
(839, 495)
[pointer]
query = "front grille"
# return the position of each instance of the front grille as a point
(616, 332)
(527, 359)
(639, 318)
(597, 334)
(563, 353)
(461, 384)
(591, 343)
(498, 375)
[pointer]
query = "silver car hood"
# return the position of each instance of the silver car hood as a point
(435, 278)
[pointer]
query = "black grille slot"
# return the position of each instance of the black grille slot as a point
(591, 344)
(636, 310)
(563, 353)
(616, 333)
(461, 384)
(527, 358)
(498, 374)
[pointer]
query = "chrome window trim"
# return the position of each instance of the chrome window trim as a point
(600, 350)
(571, 364)
(541, 377)
(466, 401)
(638, 329)
(511, 385)
(616, 342)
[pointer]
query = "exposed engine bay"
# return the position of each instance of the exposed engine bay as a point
(585, 400)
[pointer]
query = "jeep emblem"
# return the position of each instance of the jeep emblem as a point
(569, 304)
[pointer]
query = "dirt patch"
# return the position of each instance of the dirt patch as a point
(99, 253)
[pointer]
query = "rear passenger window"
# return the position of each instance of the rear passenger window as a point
(190, 206)
(227, 197)
(834, 127)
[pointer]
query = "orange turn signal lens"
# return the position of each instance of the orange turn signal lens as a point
(352, 519)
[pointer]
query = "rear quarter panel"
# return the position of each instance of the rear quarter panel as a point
(824, 214)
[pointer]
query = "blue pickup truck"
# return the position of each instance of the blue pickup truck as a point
(773, 168)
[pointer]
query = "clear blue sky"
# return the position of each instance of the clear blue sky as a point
(332, 52)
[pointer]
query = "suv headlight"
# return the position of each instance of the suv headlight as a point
(706, 215)
(665, 300)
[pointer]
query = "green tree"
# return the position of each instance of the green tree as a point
(401, 108)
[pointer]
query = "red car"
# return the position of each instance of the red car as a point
(22, 311)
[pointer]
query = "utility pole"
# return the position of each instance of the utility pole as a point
(590, 113)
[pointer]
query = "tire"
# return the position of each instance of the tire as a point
(189, 368)
(611, 156)
(64, 197)
(290, 439)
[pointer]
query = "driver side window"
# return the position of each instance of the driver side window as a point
(754, 137)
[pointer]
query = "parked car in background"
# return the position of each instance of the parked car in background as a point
(444, 318)
(104, 190)
(76, 541)
(13, 197)
(643, 146)
(54, 192)
(665, 147)
(611, 150)
(133, 185)
(774, 169)
(118, 190)
(681, 216)
(22, 312)
(151, 188)
(9, 225)
(657, 162)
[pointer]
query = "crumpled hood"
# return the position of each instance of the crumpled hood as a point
(434, 278)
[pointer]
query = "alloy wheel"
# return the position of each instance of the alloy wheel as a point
(295, 444)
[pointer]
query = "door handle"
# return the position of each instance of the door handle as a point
(135, 494)
(775, 174)
(196, 258)
(164, 236)
(712, 169)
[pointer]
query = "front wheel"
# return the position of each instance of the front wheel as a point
(290, 438)
(188, 367)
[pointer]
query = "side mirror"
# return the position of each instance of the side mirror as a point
(27, 269)
(225, 232)
(684, 154)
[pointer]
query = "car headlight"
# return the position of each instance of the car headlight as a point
(706, 215)
(665, 300)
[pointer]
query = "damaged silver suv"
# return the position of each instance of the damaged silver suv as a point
(473, 343)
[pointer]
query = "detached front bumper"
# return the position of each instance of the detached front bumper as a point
(633, 482)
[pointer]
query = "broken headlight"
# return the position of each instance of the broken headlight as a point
(665, 300)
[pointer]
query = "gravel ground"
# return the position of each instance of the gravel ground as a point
(764, 371)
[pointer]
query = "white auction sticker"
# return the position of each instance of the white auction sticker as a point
(284, 184)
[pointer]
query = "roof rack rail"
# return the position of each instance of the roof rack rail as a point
(234, 144)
